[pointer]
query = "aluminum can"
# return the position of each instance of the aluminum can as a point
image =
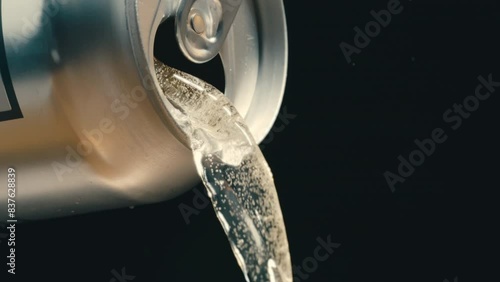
(82, 118)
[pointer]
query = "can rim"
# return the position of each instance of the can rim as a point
(254, 56)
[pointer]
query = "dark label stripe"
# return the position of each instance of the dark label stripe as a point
(9, 106)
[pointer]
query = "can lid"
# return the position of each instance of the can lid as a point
(254, 53)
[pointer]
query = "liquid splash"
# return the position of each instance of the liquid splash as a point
(238, 179)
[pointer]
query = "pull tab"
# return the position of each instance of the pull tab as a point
(202, 27)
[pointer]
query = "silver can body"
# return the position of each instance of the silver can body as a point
(82, 120)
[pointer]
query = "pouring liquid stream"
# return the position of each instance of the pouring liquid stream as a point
(236, 175)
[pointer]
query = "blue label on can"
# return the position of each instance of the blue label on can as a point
(9, 107)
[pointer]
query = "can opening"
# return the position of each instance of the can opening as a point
(166, 49)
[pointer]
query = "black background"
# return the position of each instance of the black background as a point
(352, 123)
